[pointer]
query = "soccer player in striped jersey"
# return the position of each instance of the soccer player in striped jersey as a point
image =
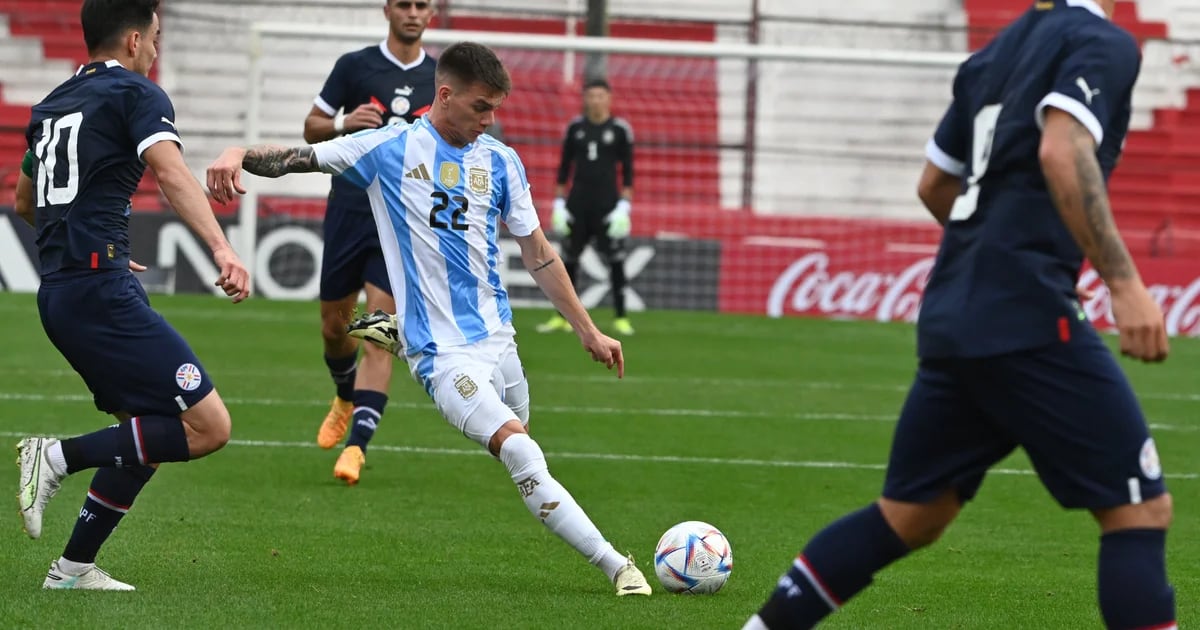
(439, 189)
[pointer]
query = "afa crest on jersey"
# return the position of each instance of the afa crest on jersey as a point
(478, 180)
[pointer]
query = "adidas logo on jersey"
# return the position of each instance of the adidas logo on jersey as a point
(419, 173)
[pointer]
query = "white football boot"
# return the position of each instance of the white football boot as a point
(93, 579)
(38, 481)
(630, 581)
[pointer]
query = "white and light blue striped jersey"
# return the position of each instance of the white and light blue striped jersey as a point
(437, 208)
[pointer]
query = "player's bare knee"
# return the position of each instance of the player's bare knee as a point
(1161, 510)
(207, 425)
(1156, 513)
(507, 430)
(212, 436)
(921, 524)
(333, 329)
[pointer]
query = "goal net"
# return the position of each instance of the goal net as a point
(769, 179)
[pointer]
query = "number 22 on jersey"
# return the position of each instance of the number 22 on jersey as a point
(54, 132)
(981, 151)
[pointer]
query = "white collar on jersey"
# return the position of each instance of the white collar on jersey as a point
(1090, 5)
(387, 54)
(111, 63)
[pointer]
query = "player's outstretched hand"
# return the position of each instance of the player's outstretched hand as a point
(234, 279)
(365, 116)
(606, 350)
(225, 175)
(1139, 322)
(136, 266)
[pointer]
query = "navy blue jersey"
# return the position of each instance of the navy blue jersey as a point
(87, 138)
(375, 75)
(1005, 274)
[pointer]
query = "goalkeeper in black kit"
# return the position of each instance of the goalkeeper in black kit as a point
(596, 211)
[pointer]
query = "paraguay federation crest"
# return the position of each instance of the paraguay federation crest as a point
(478, 180)
(448, 174)
(188, 377)
(1148, 459)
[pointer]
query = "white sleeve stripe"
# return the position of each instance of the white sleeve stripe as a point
(1073, 107)
(628, 129)
(325, 107)
(155, 139)
(943, 160)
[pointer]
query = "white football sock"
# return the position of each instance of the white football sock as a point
(70, 567)
(54, 457)
(755, 623)
(554, 506)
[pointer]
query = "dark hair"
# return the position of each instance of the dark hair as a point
(468, 62)
(106, 21)
(594, 83)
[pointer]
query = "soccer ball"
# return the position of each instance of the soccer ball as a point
(693, 558)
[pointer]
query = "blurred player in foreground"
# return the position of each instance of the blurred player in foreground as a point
(596, 210)
(439, 235)
(91, 139)
(367, 89)
(1016, 173)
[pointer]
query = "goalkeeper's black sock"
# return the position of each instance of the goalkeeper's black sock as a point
(617, 277)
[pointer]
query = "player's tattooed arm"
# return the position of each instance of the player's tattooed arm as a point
(1076, 183)
(1101, 241)
(273, 161)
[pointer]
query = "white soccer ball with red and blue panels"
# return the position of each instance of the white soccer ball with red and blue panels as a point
(693, 558)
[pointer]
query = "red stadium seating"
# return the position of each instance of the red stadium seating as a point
(56, 23)
(670, 103)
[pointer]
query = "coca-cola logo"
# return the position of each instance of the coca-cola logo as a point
(1180, 304)
(808, 286)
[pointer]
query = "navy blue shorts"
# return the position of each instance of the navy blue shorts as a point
(132, 360)
(352, 255)
(1068, 405)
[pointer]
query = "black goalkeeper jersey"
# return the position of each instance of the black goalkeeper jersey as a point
(594, 150)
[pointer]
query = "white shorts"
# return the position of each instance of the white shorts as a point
(469, 384)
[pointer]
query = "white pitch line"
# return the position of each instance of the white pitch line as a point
(648, 459)
(629, 380)
(567, 410)
(554, 409)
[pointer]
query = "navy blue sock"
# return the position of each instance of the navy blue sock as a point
(835, 565)
(143, 440)
(343, 371)
(368, 409)
(109, 498)
(1134, 592)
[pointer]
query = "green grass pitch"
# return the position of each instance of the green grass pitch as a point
(766, 428)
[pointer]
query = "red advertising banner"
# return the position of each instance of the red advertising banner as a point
(852, 275)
